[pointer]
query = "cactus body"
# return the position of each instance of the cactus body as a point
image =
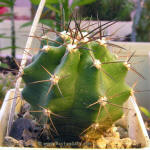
(79, 82)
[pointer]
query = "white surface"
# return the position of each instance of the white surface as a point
(136, 127)
(23, 3)
(121, 28)
(4, 115)
(22, 12)
(141, 62)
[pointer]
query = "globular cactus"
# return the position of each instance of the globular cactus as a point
(78, 82)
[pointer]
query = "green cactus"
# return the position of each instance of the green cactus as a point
(79, 83)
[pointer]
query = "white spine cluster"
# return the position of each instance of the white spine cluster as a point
(103, 100)
(102, 41)
(71, 48)
(126, 64)
(45, 37)
(85, 39)
(97, 63)
(46, 48)
(54, 79)
(65, 35)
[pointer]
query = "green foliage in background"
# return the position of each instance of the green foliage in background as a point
(62, 11)
(10, 15)
(108, 10)
(143, 27)
(145, 111)
(6, 83)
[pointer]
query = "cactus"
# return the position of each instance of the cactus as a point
(78, 82)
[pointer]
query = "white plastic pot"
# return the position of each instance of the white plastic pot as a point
(132, 120)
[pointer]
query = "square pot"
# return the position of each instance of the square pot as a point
(131, 119)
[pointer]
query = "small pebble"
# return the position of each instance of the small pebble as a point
(113, 143)
(127, 143)
(11, 142)
(31, 143)
(122, 132)
(19, 126)
(101, 143)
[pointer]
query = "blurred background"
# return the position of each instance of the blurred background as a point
(16, 16)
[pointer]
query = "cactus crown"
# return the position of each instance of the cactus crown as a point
(78, 81)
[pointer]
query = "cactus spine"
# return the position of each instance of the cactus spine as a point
(79, 81)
